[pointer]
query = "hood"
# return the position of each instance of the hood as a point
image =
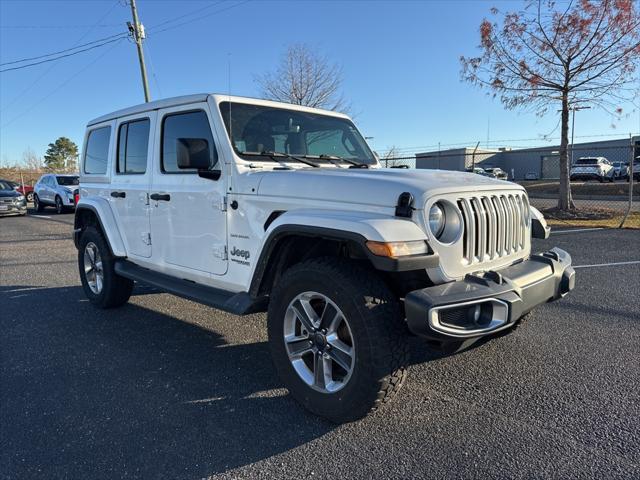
(376, 186)
(9, 193)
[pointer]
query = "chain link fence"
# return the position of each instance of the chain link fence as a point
(603, 178)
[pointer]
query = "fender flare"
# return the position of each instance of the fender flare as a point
(102, 210)
(354, 228)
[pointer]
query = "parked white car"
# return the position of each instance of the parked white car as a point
(56, 190)
(620, 169)
(249, 205)
(592, 168)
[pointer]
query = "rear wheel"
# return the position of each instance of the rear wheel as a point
(337, 338)
(39, 207)
(102, 285)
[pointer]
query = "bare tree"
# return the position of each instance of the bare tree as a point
(390, 157)
(31, 161)
(304, 77)
(569, 54)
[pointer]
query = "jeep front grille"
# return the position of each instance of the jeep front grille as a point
(495, 225)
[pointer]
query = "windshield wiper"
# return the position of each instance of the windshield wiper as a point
(275, 155)
(342, 159)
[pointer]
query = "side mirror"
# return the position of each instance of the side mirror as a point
(193, 153)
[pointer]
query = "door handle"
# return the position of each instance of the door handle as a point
(160, 197)
(118, 194)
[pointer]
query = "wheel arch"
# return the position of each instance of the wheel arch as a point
(297, 236)
(94, 212)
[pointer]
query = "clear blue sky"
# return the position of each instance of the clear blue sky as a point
(400, 61)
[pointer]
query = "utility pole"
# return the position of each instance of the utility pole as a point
(137, 31)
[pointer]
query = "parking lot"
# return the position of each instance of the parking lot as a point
(166, 388)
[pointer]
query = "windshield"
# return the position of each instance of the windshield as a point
(68, 181)
(257, 129)
(5, 186)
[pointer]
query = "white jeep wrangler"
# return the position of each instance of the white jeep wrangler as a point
(249, 205)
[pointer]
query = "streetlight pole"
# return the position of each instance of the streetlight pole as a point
(573, 125)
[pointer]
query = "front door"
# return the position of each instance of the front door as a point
(131, 179)
(188, 218)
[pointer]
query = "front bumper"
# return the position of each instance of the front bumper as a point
(68, 201)
(487, 302)
(13, 208)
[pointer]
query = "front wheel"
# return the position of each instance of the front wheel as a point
(337, 338)
(59, 205)
(102, 285)
(29, 197)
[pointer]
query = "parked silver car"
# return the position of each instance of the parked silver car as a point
(11, 202)
(57, 191)
(496, 172)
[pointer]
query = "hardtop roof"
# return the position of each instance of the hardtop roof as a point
(202, 97)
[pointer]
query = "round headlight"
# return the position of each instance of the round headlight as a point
(20, 198)
(437, 219)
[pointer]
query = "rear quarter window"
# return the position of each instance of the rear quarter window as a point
(96, 154)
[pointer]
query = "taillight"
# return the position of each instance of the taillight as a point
(76, 198)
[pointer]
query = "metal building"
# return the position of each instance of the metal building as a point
(541, 162)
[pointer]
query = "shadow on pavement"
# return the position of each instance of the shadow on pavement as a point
(88, 393)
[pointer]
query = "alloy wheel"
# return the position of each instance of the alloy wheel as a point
(319, 342)
(93, 268)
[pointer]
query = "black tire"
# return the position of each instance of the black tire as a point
(59, 205)
(29, 197)
(377, 326)
(37, 204)
(116, 290)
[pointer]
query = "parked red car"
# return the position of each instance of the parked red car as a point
(27, 191)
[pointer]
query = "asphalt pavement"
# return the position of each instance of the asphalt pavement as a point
(167, 388)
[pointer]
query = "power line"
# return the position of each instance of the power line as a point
(52, 66)
(62, 85)
(51, 27)
(63, 51)
(174, 19)
(171, 27)
(64, 56)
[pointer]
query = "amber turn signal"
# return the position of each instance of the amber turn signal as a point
(397, 249)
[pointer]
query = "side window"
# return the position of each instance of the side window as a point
(133, 143)
(184, 125)
(97, 153)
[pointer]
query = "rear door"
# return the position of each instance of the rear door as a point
(47, 191)
(188, 218)
(131, 179)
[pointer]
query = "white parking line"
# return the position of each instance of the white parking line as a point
(632, 262)
(576, 230)
(38, 216)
